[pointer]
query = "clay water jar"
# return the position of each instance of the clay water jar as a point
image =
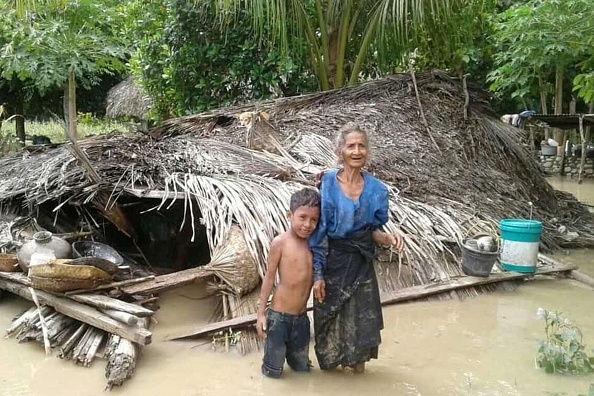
(43, 242)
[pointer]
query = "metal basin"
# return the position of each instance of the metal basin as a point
(98, 250)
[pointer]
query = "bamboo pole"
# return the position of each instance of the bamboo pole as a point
(46, 342)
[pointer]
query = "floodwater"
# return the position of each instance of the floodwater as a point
(584, 192)
(481, 346)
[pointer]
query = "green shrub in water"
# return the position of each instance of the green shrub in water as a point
(563, 350)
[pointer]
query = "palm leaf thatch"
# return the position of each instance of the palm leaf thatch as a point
(479, 172)
(126, 99)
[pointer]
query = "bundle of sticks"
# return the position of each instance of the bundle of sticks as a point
(78, 341)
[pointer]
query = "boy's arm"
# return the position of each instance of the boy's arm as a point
(274, 257)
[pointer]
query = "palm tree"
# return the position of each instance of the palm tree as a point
(342, 34)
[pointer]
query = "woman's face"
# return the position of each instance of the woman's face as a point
(354, 150)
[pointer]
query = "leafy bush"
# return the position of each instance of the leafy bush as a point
(563, 350)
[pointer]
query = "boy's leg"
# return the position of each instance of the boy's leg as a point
(275, 347)
(298, 345)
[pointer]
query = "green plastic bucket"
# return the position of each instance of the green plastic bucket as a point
(520, 240)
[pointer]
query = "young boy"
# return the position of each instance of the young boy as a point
(286, 325)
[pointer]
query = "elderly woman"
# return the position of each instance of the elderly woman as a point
(347, 307)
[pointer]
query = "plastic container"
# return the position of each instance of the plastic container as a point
(476, 262)
(548, 150)
(520, 240)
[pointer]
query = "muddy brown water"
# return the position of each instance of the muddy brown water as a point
(481, 346)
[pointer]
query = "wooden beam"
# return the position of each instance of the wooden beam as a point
(397, 296)
(414, 292)
(96, 300)
(105, 302)
(169, 281)
(81, 312)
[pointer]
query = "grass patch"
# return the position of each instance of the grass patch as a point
(55, 131)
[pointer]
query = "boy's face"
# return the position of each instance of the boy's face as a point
(304, 220)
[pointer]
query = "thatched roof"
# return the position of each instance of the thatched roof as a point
(126, 99)
(480, 174)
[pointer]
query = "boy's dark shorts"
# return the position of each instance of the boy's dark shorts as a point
(287, 336)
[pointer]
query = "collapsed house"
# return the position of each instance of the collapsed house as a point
(202, 196)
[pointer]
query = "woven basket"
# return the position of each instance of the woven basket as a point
(59, 269)
(64, 285)
(234, 265)
(9, 262)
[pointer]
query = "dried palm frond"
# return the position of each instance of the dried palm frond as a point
(257, 204)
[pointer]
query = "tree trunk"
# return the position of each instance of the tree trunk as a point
(563, 142)
(542, 89)
(66, 111)
(71, 122)
(559, 100)
(333, 47)
(19, 120)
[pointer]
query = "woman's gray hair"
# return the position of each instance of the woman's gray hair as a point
(341, 135)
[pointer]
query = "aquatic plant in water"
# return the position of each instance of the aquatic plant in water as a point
(563, 350)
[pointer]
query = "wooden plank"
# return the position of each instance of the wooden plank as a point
(81, 312)
(105, 302)
(407, 294)
(169, 281)
(463, 282)
(96, 300)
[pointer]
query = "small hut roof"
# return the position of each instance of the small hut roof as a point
(449, 177)
(127, 99)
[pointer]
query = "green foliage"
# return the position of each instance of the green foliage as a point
(464, 49)
(563, 350)
(537, 37)
(361, 38)
(188, 63)
(54, 39)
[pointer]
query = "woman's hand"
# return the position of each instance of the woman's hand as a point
(385, 239)
(319, 290)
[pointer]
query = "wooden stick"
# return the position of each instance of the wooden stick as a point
(71, 342)
(16, 324)
(105, 302)
(46, 342)
(423, 118)
(466, 96)
(84, 313)
(93, 349)
(112, 285)
(583, 157)
(65, 335)
(58, 325)
(406, 294)
(123, 317)
(81, 344)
